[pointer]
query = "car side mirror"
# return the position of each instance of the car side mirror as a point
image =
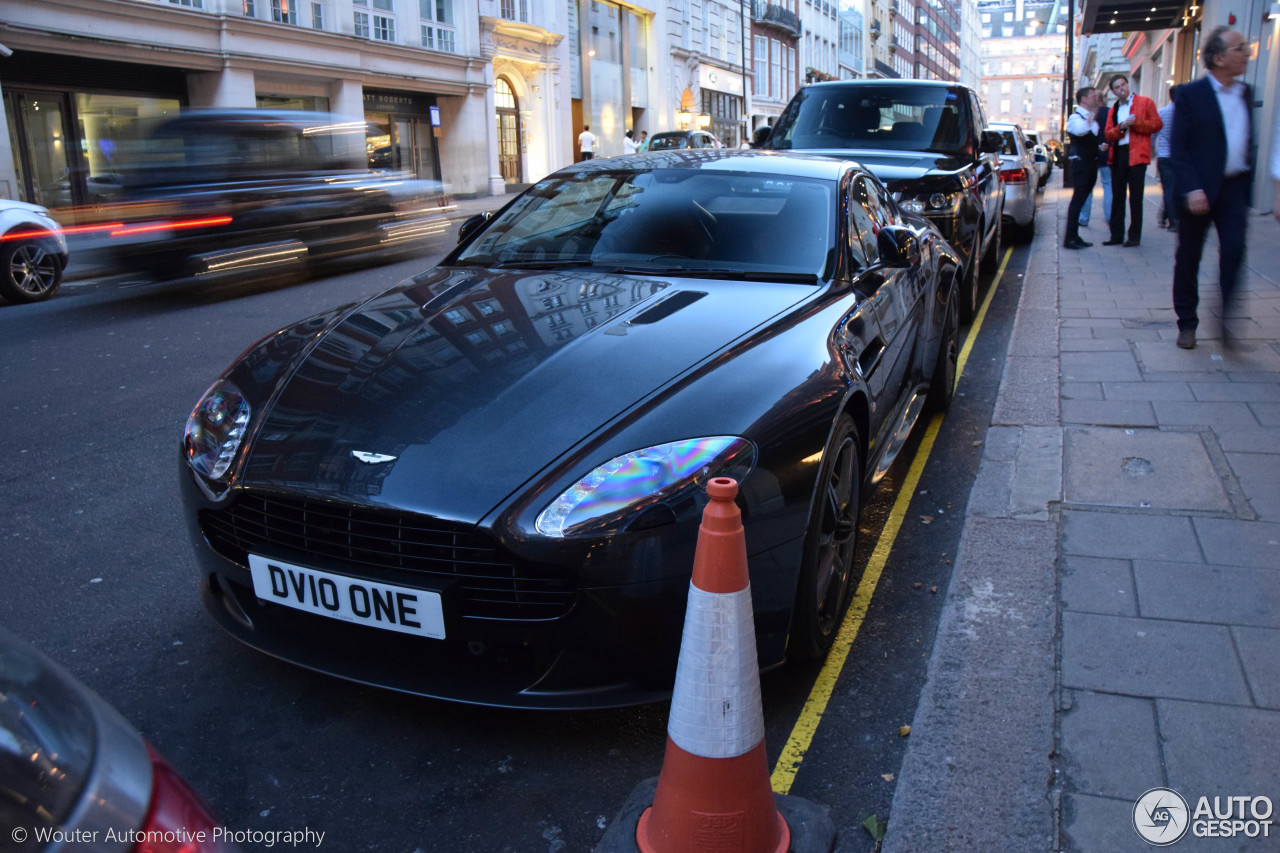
(992, 142)
(899, 247)
(473, 225)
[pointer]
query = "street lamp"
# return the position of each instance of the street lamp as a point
(683, 117)
(704, 120)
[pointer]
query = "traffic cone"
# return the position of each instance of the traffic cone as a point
(713, 793)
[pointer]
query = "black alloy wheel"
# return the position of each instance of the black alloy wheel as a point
(830, 543)
(942, 384)
(29, 272)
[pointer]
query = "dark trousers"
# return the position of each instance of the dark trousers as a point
(1164, 167)
(1131, 179)
(1084, 174)
(588, 155)
(1228, 218)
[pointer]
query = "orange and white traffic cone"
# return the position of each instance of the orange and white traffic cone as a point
(713, 793)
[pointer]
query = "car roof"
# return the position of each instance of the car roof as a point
(752, 162)
(887, 82)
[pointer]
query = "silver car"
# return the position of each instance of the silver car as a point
(1021, 181)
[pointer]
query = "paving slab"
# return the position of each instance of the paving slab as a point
(1168, 356)
(1151, 657)
(1149, 391)
(1093, 824)
(1216, 750)
(1258, 647)
(1108, 413)
(1195, 592)
(1109, 744)
(1141, 468)
(1128, 535)
(1228, 542)
(1099, 367)
(1096, 585)
(1259, 477)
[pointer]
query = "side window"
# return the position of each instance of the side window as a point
(863, 224)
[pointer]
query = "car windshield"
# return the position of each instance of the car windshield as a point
(895, 118)
(666, 221)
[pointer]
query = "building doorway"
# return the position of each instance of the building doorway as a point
(43, 154)
(509, 132)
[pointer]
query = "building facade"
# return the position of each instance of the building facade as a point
(1023, 61)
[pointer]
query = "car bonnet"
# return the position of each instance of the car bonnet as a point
(447, 394)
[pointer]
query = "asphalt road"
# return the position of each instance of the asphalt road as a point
(96, 570)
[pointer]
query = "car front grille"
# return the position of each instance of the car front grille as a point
(491, 583)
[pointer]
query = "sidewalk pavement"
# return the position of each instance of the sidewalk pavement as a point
(1113, 622)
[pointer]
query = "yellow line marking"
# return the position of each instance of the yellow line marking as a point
(784, 772)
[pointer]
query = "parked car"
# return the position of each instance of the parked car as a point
(1040, 156)
(72, 770)
(1018, 172)
(33, 252)
(485, 484)
(927, 141)
(213, 195)
(676, 139)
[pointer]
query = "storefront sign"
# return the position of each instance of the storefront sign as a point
(710, 77)
(400, 103)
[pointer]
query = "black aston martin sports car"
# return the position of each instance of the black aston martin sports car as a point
(485, 484)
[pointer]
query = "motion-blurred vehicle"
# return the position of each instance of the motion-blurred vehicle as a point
(222, 194)
(671, 140)
(927, 141)
(1018, 171)
(33, 252)
(485, 484)
(74, 775)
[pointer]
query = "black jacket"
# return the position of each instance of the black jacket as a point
(1199, 143)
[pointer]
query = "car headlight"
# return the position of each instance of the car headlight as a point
(215, 429)
(645, 487)
(931, 203)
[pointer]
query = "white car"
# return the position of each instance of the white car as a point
(1040, 154)
(33, 252)
(1020, 178)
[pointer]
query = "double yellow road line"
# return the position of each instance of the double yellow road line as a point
(784, 773)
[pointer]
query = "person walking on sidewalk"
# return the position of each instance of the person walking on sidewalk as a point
(587, 142)
(1085, 145)
(1130, 125)
(1212, 137)
(1164, 164)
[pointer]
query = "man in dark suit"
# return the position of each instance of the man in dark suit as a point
(1085, 140)
(1211, 150)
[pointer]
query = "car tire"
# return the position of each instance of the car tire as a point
(830, 544)
(968, 292)
(29, 271)
(1025, 233)
(942, 382)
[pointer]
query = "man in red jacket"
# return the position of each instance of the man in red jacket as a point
(1130, 125)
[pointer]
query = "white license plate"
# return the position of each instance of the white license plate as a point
(378, 605)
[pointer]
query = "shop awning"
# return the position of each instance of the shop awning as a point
(1120, 16)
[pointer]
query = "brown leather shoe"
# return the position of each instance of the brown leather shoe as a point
(1187, 338)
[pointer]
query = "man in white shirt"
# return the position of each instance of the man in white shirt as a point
(1085, 143)
(629, 144)
(1212, 134)
(587, 142)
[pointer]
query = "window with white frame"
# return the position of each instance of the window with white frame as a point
(317, 16)
(515, 10)
(775, 68)
(284, 11)
(434, 14)
(383, 28)
(362, 24)
(194, 4)
(250, 9)
(384, 5)
(760, 61)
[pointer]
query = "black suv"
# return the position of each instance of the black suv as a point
(926, 141)
(211, 195)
